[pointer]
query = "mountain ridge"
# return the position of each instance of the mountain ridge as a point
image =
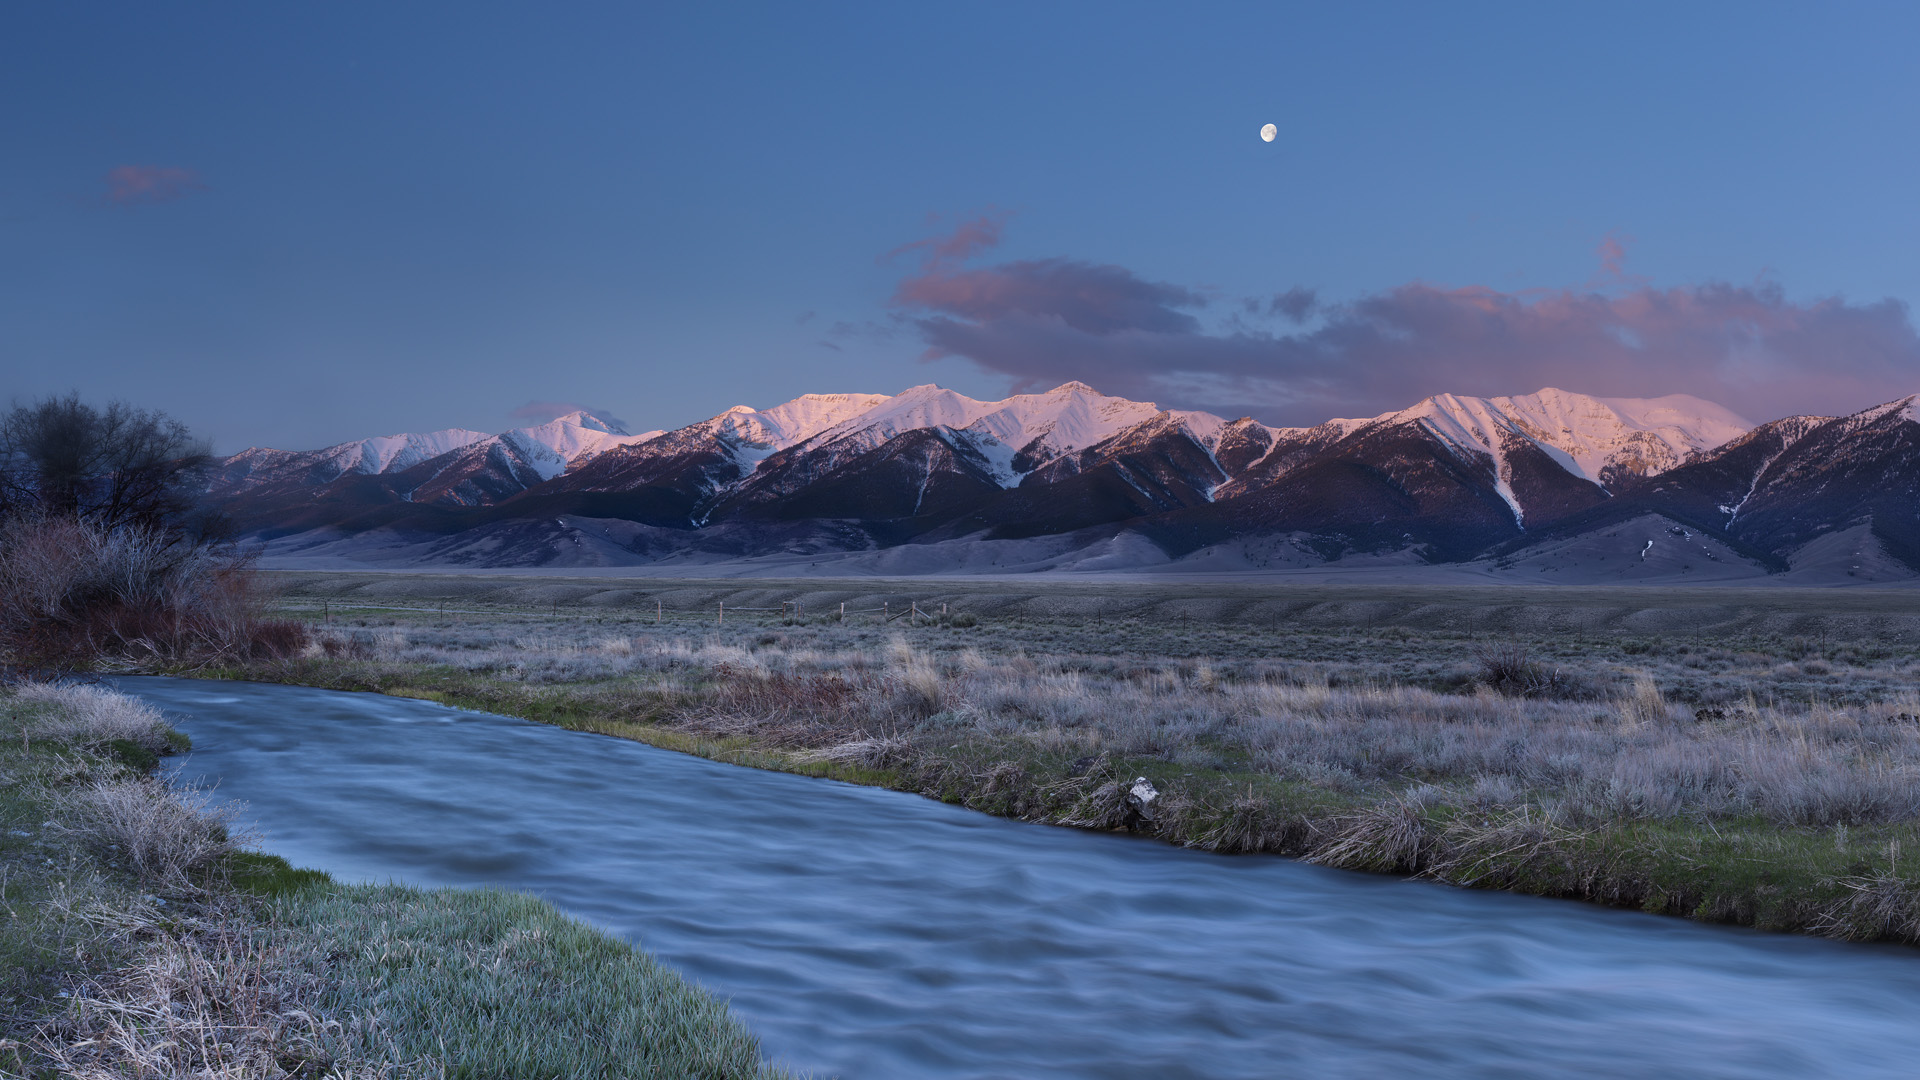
(1449, 478)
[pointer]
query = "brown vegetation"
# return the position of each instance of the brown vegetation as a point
(74, 593)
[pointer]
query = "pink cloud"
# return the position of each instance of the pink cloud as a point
(967, 239)
(130, 184)
(1613, 252)
(1748, 347)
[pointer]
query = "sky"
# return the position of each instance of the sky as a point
(295, 224)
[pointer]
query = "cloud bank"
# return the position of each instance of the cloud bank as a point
(1748, 347)
(131, 185)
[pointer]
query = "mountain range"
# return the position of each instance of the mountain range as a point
(1551, 483)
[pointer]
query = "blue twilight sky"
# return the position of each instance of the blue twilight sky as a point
(292, 224)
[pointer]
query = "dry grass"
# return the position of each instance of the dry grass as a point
(168, 835)
(90, 717)
(1875, 906)
(211, 996)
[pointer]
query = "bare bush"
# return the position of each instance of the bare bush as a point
(72, 592)
(165, 833)
(91, 717)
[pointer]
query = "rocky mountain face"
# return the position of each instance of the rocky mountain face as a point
(1451, 478)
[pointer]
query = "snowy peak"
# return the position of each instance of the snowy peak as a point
(794, 421)
(1067, 418)
(561, 443)
(1597, 439)
(391, 453)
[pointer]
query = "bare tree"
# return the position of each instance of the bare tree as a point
(113, 467)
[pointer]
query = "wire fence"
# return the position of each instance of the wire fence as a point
(888, 612)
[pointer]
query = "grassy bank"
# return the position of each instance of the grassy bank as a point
(1763, 781)
(142, 939)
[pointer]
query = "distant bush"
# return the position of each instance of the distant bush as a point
(72, 593)
(1512, 671)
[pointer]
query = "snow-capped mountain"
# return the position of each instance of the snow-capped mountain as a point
(1448, 477)
(259, 466)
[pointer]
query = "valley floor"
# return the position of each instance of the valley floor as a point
(1744, 756)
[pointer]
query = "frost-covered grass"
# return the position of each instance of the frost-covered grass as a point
(1613, 775)
(500, 984)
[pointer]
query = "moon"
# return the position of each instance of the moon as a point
(1267, 133)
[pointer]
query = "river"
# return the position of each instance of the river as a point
(872, 934)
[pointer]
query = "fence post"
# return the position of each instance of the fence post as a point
(659, 609)
(886, 612)
(843, 611)
(723, 613)
(327, 607)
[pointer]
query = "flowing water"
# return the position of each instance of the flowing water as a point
(871, 934)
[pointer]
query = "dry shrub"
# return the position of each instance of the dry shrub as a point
(916, 690)
(209, 998)
(1877, 906)
(781, 708)
(1498, 851)
(165, 833)
(90, 717)
(1511, 670)
(1390, 838)
(359, 645)
(874, 752)
(1248, 823)
(1645, 705)
(1005, 777)
(1104, 808)
(71, 592)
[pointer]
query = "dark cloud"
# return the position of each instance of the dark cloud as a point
(1296, 304)
(539, 412)
(1747, 347)
(132, 184)
(1095, 300)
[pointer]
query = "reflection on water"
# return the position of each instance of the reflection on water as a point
(874, 934)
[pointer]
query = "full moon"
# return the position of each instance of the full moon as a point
(1267, 133)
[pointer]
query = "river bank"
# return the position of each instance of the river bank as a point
(143, 938)
(1759, 802)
